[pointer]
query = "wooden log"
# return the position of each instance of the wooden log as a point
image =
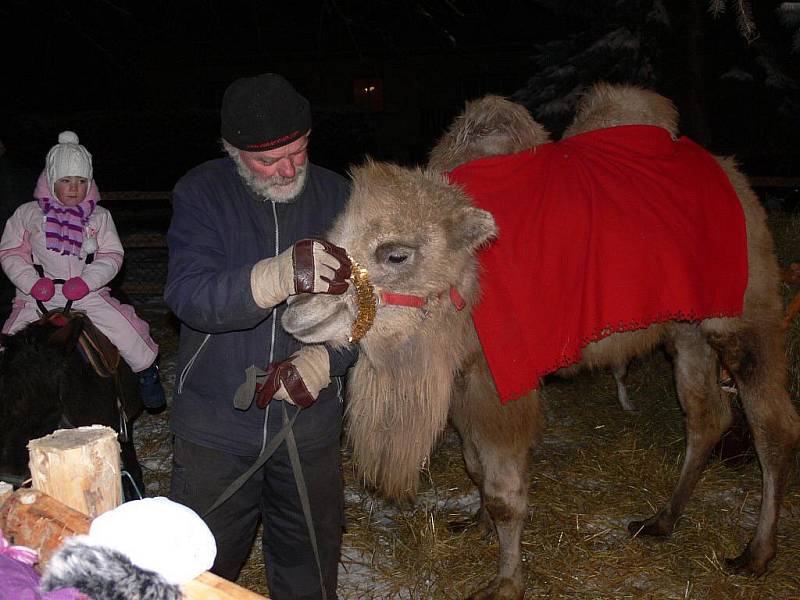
(34, 519)
(6, 489)
(79, 467)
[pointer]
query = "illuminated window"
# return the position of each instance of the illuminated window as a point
(368, 94)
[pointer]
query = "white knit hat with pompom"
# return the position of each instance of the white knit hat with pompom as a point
(67, 158)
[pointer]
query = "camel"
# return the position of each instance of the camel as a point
(417, 235)
(495, 126)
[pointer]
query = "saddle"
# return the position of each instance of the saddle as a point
(99, 351)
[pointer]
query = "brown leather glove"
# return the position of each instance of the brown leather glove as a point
(298, 380)
(309, 266)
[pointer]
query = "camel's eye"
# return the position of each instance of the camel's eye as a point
(393, 254)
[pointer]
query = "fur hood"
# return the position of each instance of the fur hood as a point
(103, 574)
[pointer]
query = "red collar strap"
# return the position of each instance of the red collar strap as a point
(456, 298)
(388, 298)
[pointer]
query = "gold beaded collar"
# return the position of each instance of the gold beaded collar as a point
(365, 299)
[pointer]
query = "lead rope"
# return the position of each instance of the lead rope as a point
(302, 491)
(268, 451)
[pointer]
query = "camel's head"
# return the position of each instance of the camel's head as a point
(416, 236)
(488, 126)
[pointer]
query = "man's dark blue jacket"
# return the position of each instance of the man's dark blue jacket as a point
(219, 230)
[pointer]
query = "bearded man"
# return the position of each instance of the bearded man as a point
(243, 238)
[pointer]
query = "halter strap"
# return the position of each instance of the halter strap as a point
(392, 299)
(389, 298)
(456, 298)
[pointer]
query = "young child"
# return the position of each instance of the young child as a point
(64, 234)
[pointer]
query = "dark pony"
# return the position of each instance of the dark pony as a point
(46, 383)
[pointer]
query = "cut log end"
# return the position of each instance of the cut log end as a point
(69, 439)
(80, 467)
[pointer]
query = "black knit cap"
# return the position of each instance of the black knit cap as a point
(263, 112)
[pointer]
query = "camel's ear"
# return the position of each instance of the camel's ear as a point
(474, 227)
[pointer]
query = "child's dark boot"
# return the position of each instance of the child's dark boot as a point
(152, 391)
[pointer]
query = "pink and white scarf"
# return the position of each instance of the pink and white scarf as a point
(64, 224)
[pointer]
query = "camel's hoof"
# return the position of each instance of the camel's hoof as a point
(502, 588)
(653, 527)
(746, 564)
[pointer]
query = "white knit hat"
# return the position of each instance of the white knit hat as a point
(67, 158)
(159, 535)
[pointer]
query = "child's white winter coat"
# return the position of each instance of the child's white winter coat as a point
(23, 244)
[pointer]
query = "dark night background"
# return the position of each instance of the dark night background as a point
(141, 82)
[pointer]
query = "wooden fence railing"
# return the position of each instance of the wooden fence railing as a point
(142, 219)
(134, 195)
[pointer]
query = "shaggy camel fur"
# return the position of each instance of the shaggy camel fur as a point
(417, 235)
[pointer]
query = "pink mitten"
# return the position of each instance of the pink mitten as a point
(75, 288)
(43, 289)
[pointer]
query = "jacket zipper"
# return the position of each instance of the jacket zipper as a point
(274, 321)
(185, 372)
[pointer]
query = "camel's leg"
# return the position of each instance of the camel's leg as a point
(707, 416)
(497, 441)
(758, 364)
(620, 375)
(475, 470)
(472, 462)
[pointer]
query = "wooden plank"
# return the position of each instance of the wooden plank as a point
(208, 586)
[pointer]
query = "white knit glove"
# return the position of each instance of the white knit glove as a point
(309, 266)
(314, 372)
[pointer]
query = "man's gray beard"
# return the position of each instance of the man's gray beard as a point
(269, 190)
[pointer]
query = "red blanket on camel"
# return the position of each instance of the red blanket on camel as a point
(607, 231)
